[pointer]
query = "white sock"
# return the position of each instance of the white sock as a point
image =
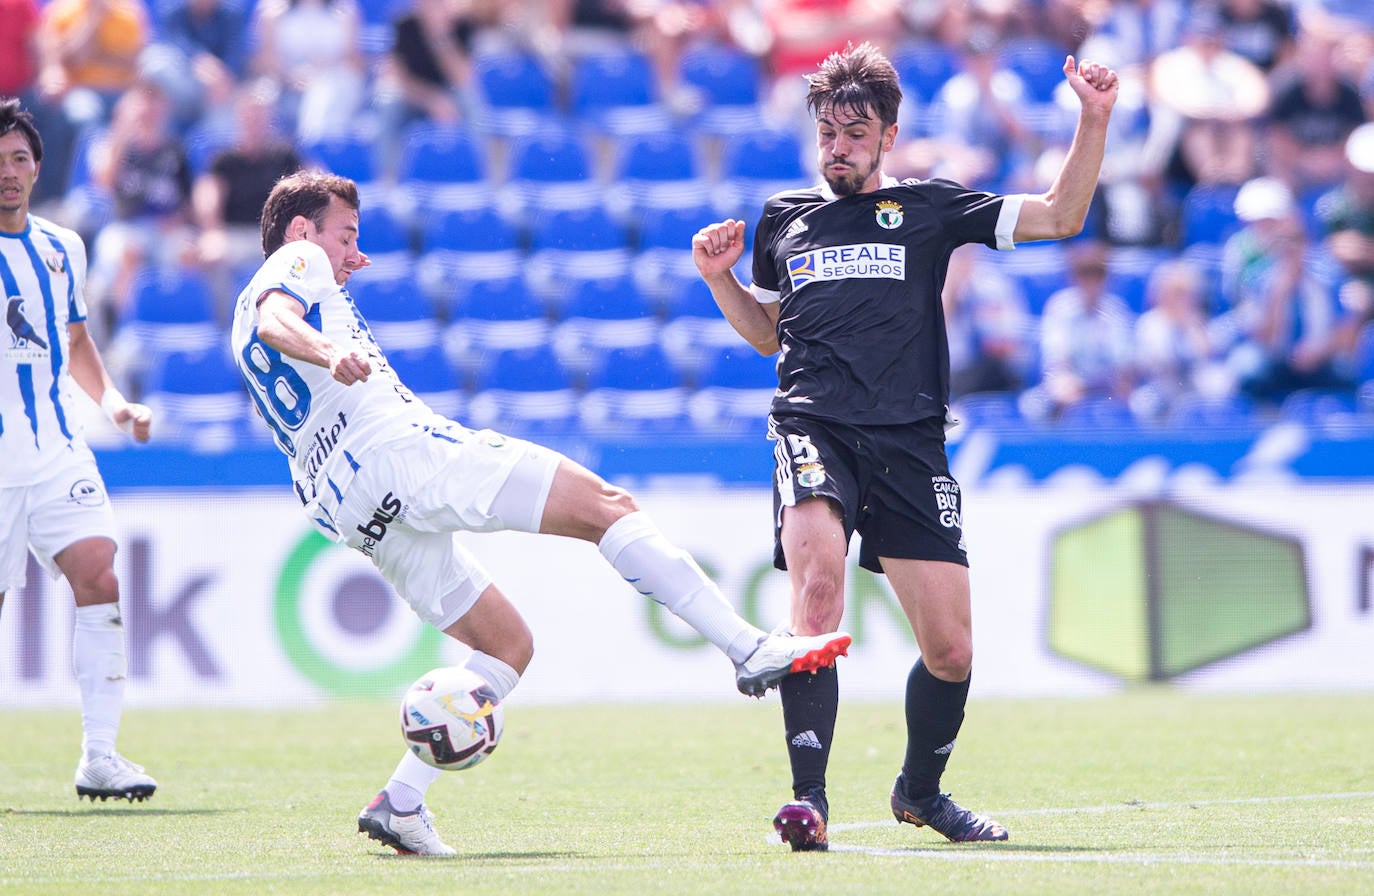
(660, 570)
(501, 676)
(100, 665)
(410, 782)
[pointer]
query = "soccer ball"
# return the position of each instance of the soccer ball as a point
(451, 718)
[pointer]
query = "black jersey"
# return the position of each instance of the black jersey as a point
(860, 323)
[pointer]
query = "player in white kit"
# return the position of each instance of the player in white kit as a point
(52, 499)
(377, 470)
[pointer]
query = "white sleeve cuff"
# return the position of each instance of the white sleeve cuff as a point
(765, 296)
(1006, 221)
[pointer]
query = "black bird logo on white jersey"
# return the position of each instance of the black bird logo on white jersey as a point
(20, 326)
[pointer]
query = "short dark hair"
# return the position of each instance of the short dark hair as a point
(14, 117)
(856, 79)
(304, 193)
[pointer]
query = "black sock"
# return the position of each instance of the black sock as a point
(934, 712)
(809, 704)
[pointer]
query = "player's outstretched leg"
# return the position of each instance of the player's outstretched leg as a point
(801, 823)
(780, 654)
(944, 816)
(112, 776)
(409, 833)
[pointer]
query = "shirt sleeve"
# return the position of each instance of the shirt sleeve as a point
(301, 270)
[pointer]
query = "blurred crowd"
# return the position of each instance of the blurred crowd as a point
(1228, 260)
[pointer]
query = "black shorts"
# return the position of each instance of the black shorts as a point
(892, 484)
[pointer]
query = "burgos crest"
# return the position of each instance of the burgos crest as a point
(889, 214)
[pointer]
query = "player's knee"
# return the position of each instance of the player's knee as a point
(819, 603)
(99, 587)
(520, 652)
(950, 662)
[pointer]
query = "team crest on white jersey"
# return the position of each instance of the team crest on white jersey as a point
(865, 261)
(56, 263)
(889, 214)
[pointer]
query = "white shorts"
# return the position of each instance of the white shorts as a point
(409, 496)
(68, 504)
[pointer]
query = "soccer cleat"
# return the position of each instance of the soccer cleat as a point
(409, 833)
(780, 654)
(944, 816)
(801, 823)
(114, 776)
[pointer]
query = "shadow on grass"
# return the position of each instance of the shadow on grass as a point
(470, 856)
(114, 811)
(971, 848)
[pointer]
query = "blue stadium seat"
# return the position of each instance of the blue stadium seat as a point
(690, 297)
(198, 398)
(351, 155)
(1208, 214)
(755, 166)
(728, 80)
(734, 390)
(399, 314)
(659, 171)
(443, 168)
(923, 67)
(614, 90)
(1041, 269)
(387, 240)
(664, 238)
(517, 93)
(491, 316)
(169, 309)
(1038, 62)
(466, 244)
(635, 389)
(601, 315)
(1128, 272)
(524, 390)
(550, 168)
(574, 244)
(427, 371)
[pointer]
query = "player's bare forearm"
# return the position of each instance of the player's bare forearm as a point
(751, 320)
(1062, 210)
(86, 367)
(281, 324)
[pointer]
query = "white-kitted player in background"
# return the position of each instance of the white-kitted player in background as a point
(52, 499)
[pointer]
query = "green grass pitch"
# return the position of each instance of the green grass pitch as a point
(1145, 792)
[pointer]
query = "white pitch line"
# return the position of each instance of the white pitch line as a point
(999, 854)
(1141, 806)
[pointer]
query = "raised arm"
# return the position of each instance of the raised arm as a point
(1061, 211)
(715, 249)
(281, 324)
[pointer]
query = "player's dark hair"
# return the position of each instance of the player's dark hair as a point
(13, 117)
(306, 193)
(856, 80)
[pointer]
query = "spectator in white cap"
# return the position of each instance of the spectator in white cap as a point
(1281, 318)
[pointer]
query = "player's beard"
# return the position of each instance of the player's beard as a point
(852, 180)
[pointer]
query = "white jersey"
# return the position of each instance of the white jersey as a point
(322, 426)
(43, 276)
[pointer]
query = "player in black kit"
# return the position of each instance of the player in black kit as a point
(846, 282)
